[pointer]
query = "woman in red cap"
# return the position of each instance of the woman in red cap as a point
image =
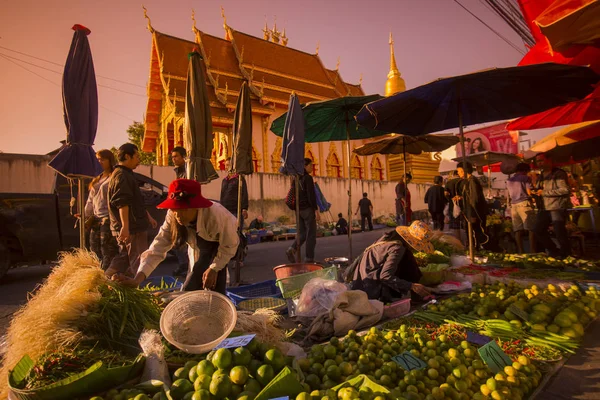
(209, 230)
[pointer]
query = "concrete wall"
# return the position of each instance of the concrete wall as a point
(26, 173)
(267, 191)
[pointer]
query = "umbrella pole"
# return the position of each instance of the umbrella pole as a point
(81, 206)
(405, 182)
(238, 262)
(349, 191)
(297, 238)
(464, 157)
(489, 181)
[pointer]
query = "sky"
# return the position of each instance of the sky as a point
(433, 38)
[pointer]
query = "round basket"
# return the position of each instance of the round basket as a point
(198, 321)
(287, 270)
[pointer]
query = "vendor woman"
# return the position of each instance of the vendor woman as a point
(209, 230)
(387, 269)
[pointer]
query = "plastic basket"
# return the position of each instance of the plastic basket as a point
(161, 281)
(247, 292)
(253, 239)
(198, 321)
(287, 270)
(269, 303)
(397, 309)
(292, 286)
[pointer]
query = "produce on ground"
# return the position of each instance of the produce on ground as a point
(437, 257)
(77, 308)
(239, 373)
(541, 260)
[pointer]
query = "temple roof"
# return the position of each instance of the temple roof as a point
(272, 70)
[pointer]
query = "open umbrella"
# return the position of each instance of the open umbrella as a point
(490, 95)
(488, 158)
(197, 129)
(574, 143)
(292, 155)
(77, 158)
(402, 144)
(568, 22)
(332, 120)
(242, 153)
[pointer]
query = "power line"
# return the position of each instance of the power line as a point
(60, 73)
(511, 44)
(57, 84)
(61, 65)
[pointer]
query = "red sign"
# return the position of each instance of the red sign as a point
(491, 138)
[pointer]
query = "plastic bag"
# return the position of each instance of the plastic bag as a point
(459, 261)
(155, 366)
(318, 296)
(447, 210)
(456, 211)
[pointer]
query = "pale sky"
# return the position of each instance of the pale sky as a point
(433, 38)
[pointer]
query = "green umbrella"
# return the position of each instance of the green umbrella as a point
(241, 162)
(197, 130)
(331, 120)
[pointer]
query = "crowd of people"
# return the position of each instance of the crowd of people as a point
(206, 235)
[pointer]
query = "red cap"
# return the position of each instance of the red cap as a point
(185, 193)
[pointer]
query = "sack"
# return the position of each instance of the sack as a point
(290, 198)
(456, 211)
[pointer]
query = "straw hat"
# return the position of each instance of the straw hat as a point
(185, 193)
(417, 235)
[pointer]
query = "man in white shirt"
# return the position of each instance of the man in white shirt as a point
(209, 230)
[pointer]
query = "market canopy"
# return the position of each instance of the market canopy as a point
(488, 158)
(400, 144)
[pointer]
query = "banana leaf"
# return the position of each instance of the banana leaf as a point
(284, 384)
(362, 381)
(95, 379)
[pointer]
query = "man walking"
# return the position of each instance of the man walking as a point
(309, 215)
(366, 212)
(555, 198)
(521, 208)
(403, 211)
(129, 220)
(474, 205)
(178, 155)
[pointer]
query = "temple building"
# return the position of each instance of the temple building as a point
(273, 70)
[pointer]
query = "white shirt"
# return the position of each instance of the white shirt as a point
(97, 202)
(214, 224)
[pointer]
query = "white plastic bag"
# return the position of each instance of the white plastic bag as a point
(318, 296)
(155, 366)
(456, 211)
(447, 210)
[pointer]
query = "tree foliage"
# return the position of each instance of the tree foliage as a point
(135, 132)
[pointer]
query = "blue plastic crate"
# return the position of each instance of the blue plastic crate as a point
(261, 289)
(253, 239)
(158, 281)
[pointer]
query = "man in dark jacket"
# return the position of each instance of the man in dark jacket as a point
(473, 203)
(555, 194)
(309, 215)
(366, 212)
(129, 220)
(229, 192)
(436, 202)
(178, 157)
(341, 227)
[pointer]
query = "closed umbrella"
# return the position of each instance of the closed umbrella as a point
(332, 120)
(490, 95)
(242, 153)
(77, 158)
(292, 154)
(197, 129)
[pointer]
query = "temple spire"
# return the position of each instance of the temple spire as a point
(150, 28)
(395, 83)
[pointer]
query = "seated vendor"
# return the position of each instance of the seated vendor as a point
(387, 269)
(257, 223)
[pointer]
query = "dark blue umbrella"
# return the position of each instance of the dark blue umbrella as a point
(490, 95)
(80, 108)
(77, 158)
(292, 152)
(292, 155)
